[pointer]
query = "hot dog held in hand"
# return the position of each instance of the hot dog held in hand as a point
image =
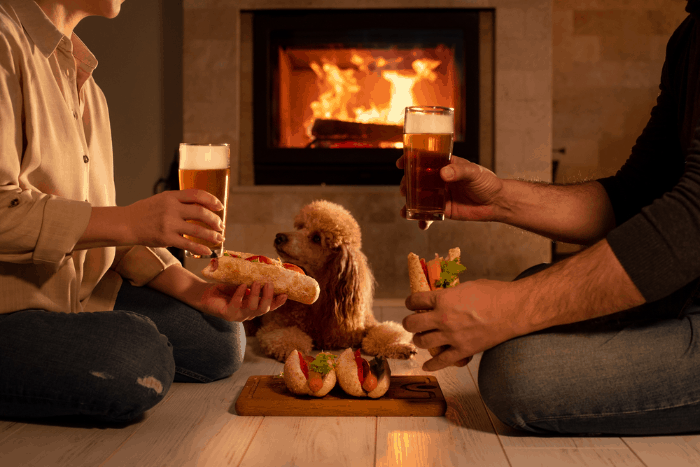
(361, 378)
(437, 273)
(238, 268)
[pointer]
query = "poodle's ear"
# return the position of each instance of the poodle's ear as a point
(350, 286)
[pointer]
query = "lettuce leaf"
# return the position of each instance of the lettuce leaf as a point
(449, 272)
(323, 363)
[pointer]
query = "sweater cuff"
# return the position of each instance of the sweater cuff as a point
(63, 224)
(141, 264)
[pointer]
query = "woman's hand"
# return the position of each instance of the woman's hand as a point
(228, 302)
(161, 220)
(234, 304)
(472, 191)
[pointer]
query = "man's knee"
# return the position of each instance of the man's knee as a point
(515, 391)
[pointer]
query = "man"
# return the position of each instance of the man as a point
(605, 341)
(65, 247)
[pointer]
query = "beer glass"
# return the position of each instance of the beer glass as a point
(428, 134)
(206, 167)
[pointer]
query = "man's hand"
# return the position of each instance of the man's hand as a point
(472, 191)
(233, 304)
(469, 318)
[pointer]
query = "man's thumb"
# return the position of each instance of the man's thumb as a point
(448, 173)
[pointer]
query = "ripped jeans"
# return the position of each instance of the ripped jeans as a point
(111, 365)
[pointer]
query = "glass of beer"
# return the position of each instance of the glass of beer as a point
(206, 167)
(428, 134)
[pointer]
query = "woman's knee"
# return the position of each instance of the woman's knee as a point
(220, 356)
(137, 372)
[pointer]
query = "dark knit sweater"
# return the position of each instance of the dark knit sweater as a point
(656, 193)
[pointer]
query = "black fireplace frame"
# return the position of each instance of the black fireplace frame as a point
(349, 166)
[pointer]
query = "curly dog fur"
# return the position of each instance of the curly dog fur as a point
(327, 245)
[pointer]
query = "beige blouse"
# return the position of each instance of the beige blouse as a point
(55, 164)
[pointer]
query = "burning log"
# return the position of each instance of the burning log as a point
(339, 133)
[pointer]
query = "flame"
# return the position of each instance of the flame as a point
(340, 90)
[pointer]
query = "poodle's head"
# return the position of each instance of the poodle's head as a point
(327, 246)
(324, 230)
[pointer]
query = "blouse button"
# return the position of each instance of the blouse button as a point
(86, 159)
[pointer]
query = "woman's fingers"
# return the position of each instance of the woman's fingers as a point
(201, 197)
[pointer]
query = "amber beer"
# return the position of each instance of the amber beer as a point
(206, 167)
(427, 147)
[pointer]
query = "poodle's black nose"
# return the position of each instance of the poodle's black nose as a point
(280, 239)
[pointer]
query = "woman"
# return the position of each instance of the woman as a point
(65, 247)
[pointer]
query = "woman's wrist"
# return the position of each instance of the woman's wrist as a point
(180, 283)
(106, 227)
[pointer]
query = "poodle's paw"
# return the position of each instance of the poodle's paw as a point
(390, 340)
(400, 350)
(278, 343)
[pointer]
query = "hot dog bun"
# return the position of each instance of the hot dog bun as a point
(350, 382)
(296, 381)
(232, 270)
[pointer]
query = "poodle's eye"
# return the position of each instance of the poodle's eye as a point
(316, 238)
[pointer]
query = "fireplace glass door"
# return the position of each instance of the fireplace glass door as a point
(330, 88)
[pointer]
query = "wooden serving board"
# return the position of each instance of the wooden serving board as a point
(408, 396)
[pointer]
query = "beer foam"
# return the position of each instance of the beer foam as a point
(428, 123)
(204, 156)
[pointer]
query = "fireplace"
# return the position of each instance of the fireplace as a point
(330, 86)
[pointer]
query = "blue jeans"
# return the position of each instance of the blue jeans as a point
(111, 365)
(631, 373)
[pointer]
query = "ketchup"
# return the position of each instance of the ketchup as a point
(304, 366)
(362, 366)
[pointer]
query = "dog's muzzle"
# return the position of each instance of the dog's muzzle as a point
(280, 239)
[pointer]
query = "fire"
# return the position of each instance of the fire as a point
(343, 93)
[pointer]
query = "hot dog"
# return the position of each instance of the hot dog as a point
(245, 268)
(309, 375)
(437, 273)
(360, 378)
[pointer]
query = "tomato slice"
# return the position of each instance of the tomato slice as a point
(293, 267)
(425, 269)
(260, 259)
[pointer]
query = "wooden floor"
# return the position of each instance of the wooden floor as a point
(196, 424)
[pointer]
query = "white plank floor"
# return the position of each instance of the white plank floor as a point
(196, 424)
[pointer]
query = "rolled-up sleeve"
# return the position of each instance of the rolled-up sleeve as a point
(141, 264)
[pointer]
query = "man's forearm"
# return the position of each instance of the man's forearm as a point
(569, 213)
(588, 285)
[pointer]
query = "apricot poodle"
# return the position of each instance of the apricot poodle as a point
(327, 246)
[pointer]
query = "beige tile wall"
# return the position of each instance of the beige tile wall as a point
(607, 59)
(214, 112)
